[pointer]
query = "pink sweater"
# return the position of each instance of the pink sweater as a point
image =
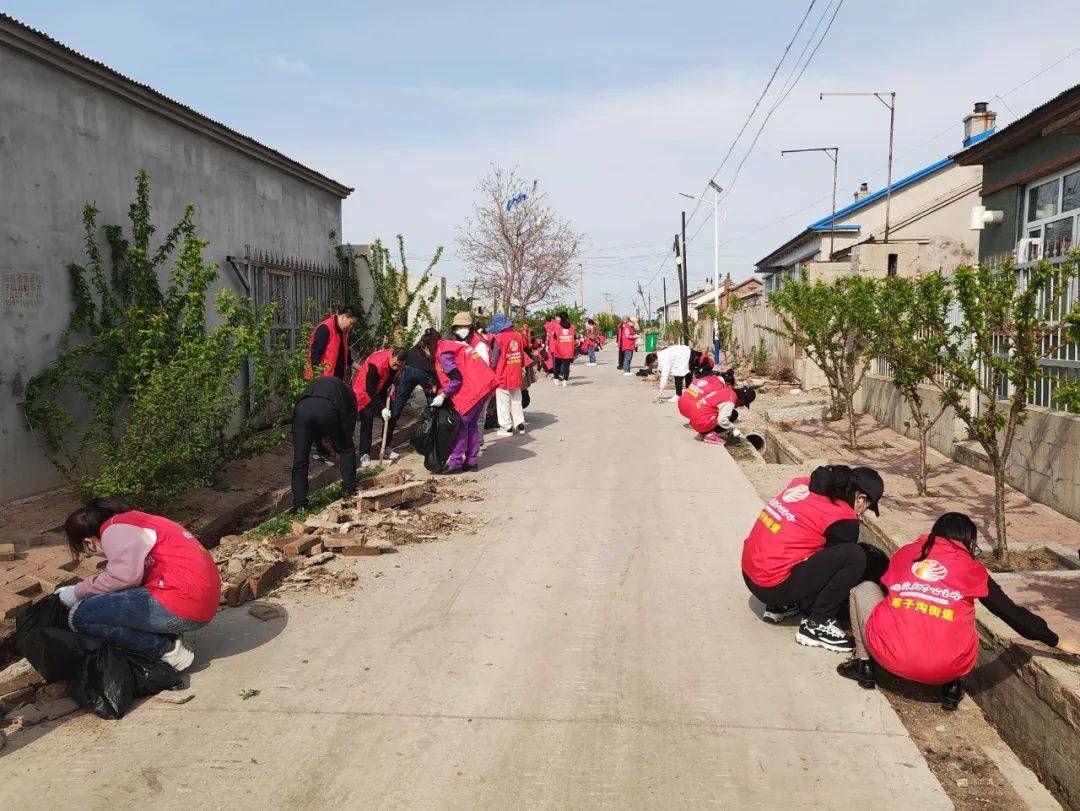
(126, 548)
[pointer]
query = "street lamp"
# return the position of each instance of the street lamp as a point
(891, 104)
(717, 189)
(835, 158)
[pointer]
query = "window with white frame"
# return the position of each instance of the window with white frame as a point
(1050, 215)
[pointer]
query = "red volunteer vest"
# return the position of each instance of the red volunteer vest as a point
(333, 348)
(590, 337)
(381, 361)
(700, 402)
(477, 378)
(179, 574)
(924, 629)
(627, 338)
(564, 342)
(511, 360)
(789, 529)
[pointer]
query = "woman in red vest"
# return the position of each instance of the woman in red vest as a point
(803, 552)
(158, 581)
(626, 339)
(509, 361)
(328, 348)
(709, 403)
(592, 340)
(465, 382)
(563, 348)
(372, 384)
(923, 627)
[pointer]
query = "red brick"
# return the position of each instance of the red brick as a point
(7, 551)
(52, 579)
(281, 541)
(12, 605)
(264, 578)
(301, 545)
(238, 590)
(24, 586)
(359, 551)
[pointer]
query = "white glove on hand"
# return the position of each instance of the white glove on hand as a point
(386, 413)
(438, 400)
(66, 595)
(735, 432)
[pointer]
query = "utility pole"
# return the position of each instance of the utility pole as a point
(664, 281)
(582, 267)
(679, 277)
(835, 158)
(685, 289)
(891, 104)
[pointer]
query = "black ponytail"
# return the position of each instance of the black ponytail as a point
(953, 527)
(835, 482)
(430, 341)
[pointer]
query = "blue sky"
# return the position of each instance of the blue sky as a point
(614, 107)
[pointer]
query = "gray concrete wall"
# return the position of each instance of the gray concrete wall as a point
(65, 141)
(1045, 459)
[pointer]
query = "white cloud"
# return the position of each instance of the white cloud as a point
(279, 63)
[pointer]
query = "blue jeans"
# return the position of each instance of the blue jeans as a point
(411, 377)
(131, 619)
(627, 354)
(592, 354)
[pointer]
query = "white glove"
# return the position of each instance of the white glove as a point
(735, 432)
(438, 400)
(386, 413)
(67, 595)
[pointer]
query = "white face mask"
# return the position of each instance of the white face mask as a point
(462, 332)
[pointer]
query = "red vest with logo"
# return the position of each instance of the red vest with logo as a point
(381, 361)
(591, 338)
(477, 378)
(700, 402)
(565, 338)
(511, 359)
(627, 338)
(924, 629)
(334, 346)
(789, 529)
(180, 574)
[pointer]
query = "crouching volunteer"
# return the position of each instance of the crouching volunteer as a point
(802, 554)
(709, 403)
(466, 381)
(923, 629)
(674, 361)
(158, 582)
(509, 361)
(371, 385)
(325, 411)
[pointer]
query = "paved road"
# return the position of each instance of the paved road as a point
(595, 649)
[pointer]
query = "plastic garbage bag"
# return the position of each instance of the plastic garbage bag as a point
(152, 675)
(526, 399)
(423, 435)
(54, 662)
(447, 422)
(105, 684)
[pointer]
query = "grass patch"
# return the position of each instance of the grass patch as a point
(317, 501)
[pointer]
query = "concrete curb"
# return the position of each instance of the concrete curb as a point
(1033, 701)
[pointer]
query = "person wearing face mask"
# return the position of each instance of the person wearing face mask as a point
(158, 581)
(803, 553)
(466, 381)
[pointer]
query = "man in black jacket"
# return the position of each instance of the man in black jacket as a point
(327, 410)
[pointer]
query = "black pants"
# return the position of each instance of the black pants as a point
(562, 368)
(681, 381)
(314, 419)
(366, 418)
(819, 585)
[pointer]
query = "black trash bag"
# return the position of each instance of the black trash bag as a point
(423, 435)
(152, 675)
(525, 398)
(105, 685)
(447, 423)
(55, 662)
(491, 415)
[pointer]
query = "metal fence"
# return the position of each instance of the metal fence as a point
(303, 291)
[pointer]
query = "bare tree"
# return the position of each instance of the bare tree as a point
(514, 246)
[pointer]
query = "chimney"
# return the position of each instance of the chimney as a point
(979, 123)
(864, 191)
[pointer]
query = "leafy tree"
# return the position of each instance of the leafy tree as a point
(606, 322)
(1008, 323)
(576, 314)
(899, 333)
(141, 400)
(831, 322)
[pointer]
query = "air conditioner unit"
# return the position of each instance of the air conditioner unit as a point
(1029, 250)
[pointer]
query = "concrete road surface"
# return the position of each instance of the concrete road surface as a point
(592, 646)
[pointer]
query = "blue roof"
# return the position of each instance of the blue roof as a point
(823, 223)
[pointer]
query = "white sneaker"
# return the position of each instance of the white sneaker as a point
(501, 432)
(592, 364)
(365, 461)
(179, 657)
(393, 456)
(627, 374)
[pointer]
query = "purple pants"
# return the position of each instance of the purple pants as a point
(467, 446)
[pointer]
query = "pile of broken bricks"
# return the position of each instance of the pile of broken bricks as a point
(25, 700)
(251, 568)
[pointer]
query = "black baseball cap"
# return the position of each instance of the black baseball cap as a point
(869, 482)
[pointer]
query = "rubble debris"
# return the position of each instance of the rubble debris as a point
(15, 699)
(58, 708)
(52, 691)
(26, 716)
(265, 611)
(387, 497)
(7, 551)
(317, 560)
(18, 675)
(174, 696)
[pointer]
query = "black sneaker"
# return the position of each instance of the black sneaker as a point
(951, 695)
(778, 613)
(828, 635)
(521, 428)
(860, 670)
